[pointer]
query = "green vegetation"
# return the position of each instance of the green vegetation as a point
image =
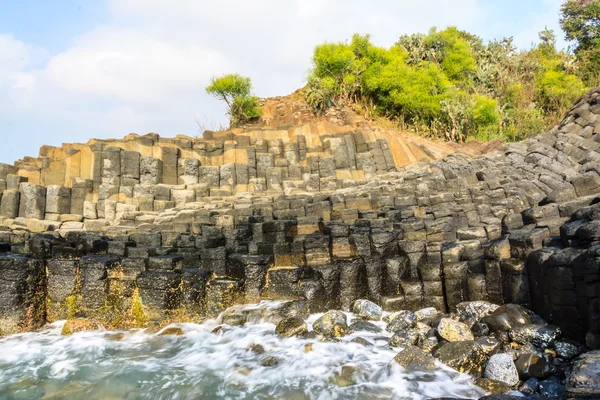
(451, 84)
(236, 91)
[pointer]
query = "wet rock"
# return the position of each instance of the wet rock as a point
(308, 347)
(454, 331)
(171, 330)
(404, 338)
(500, 367)
(367, 309)
(506, 317)
(414, 359)
(362, 325)
(332, 324)
(294, 326)
(552, 388)
(361, 341)
(402, 320)
(467, 356)
(424, 330)
(491, 386)
(234, 319)
(287, 309)
(269, 361)
(345, 377)
(220, 330)
(541, 336)
(584, 380)
(480, 329)
(488, 344)
(426, 315)
(476, 309)
(530, 386)
(80, 325)
(256, 348)
(428, 344)
(566, 349)
(533, 366)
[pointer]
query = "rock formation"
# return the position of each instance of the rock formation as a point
(324, 210)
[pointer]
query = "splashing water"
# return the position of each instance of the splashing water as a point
(203, 365)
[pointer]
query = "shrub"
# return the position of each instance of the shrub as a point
(235, 90)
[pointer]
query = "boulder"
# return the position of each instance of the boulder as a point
(404, 338)
(584, 380)
(505, 317)
(476, 309)
(467, 356)
(80, 325)
(367, 309)
(454, 331)
(414, 359)
(500, 367)
(362, 325)
(542, 336)
(293, 326)
(402, 320)
(531, 365)
(332, 324)
(491, 386)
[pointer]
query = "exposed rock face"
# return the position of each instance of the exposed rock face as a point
(584, 380)
(324, 214)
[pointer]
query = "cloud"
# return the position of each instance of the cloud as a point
(145, 68)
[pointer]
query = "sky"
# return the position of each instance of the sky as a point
(71, 70)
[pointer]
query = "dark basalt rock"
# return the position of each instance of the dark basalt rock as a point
(332, 324)
(404, 338)
(467, 356)
(541, 336)
(293, 326)
(533, 366)
(361, 325)
(584, 380)
(506, 317)
(414, 359)
(402, 320)
(367, 309)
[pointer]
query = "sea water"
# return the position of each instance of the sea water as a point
(199, 364)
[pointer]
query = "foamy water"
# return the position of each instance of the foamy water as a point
(202, 365)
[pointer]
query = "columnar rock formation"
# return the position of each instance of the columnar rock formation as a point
(159, 228)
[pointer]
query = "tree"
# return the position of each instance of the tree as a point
(580, 19)
(236, 91)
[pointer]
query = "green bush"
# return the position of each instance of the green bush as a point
(450, 84)
(235, 90)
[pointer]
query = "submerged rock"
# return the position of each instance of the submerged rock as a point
(234, 319)
(362, 341)
(171, 330)
(467, 356)
(500, 367)
(80, 325)
(345, 377)
(293, 326)
(454, 331)
(367, 309)
(257, 348)
(332, 324)
(414, 359)
(269, 361)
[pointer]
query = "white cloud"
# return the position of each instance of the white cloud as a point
(145, 69)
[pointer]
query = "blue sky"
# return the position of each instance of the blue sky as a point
(71, 70)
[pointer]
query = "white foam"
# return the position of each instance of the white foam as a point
(202, 364)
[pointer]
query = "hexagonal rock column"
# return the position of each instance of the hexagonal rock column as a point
(33, 201)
